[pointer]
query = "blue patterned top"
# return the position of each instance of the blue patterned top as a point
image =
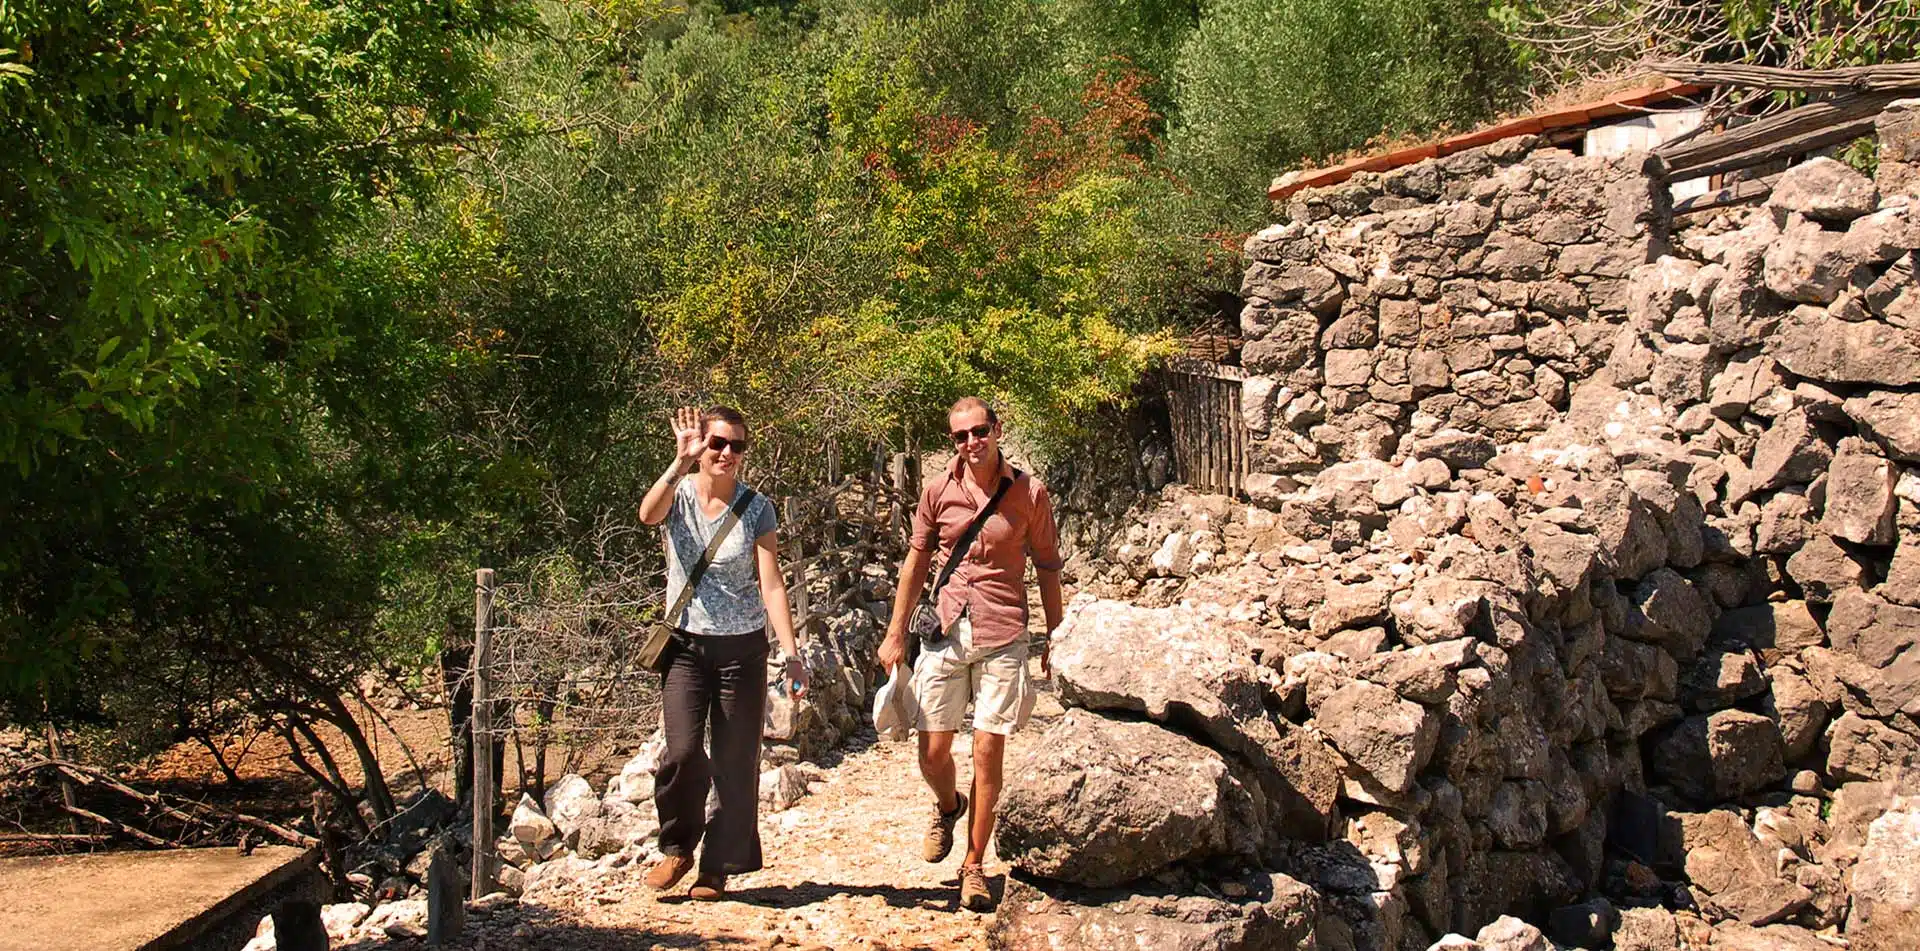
(727, 600)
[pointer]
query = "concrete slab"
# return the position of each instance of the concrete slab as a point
(145, 900)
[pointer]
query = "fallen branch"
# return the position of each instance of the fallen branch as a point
(52, 837)
(123, 828)
(90, 777)
(1887, 77)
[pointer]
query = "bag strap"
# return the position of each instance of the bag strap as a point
(966, 539)
(699, 568)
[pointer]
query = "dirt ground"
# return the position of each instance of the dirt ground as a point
(843, 872)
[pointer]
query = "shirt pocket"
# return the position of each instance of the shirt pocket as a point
(1002, 529)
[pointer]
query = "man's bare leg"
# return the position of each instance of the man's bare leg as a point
(989, 754)
(936, 766)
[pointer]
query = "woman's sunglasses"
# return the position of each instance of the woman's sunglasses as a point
(981, 431)
(717, 443)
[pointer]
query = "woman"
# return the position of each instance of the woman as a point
(716, 666)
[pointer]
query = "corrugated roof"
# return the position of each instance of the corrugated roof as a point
(1629, 102)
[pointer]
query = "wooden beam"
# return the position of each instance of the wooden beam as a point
(1886, 77)
(1813, 117)
(1785, 148)
(1737, 194)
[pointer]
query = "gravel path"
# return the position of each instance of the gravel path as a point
(843, 872)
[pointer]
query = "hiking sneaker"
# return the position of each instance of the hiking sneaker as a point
(974, 895)
(669, 872)
(940, 833)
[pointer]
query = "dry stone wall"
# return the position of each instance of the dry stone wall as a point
(1582, 586)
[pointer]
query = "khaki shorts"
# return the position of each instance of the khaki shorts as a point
(952, 672)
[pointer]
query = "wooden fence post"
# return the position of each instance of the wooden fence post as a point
(897, 519)
(797, 592)
(482, 720)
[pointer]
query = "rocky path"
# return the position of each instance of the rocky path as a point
(843, 872)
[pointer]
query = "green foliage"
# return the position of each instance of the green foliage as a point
(201, 454)
(1263, 84)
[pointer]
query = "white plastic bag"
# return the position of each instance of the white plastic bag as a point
(894, 708)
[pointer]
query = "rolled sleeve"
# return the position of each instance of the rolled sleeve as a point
(1043, 536)
(925, 532)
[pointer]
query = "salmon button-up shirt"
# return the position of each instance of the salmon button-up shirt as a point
(990, 584)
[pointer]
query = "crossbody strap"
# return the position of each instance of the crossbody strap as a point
(727, 521)
(966, 539)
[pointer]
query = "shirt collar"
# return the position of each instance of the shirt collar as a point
(956, 469)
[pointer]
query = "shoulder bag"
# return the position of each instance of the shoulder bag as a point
(925, 623)
(653, 651)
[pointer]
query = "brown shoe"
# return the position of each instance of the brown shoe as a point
(708, 887)
(669, 872)
(940, 834)
(974, 895)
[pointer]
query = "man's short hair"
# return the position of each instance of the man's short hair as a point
(965, 403)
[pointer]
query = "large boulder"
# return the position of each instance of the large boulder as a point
(1179, 667)
(1276, 912)
(1101, 802)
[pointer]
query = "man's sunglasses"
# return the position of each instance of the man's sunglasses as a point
(981, 431)
(717, 443)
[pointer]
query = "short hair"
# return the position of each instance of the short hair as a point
(721, 414)
(973, 402)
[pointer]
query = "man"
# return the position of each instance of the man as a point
(982, 653)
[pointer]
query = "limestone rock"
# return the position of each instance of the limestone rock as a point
(535, 832)
(1646, 929)
(1891, 419)
(1798, 708)
(1862, 749)
(1458, 449)
(1102, 802)
(1721, 755)
(1277, 912)
(1884, 637)
(1819, 347)
(1507, 933)
(1176, 666)
(1792, 450)
(1348, 606)
(570, 802)
(1824, 190)
(1388, 737)
(1671, 612)
(1824, 570)
(1886, 884)
(1860, 499)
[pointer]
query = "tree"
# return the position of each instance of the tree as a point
(203, 464)
(1265, 84)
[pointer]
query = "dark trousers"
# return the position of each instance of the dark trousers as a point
(720, 681)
